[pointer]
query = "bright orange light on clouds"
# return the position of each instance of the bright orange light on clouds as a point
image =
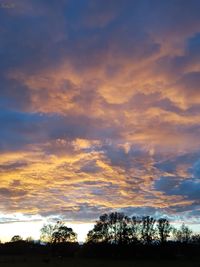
(99, 111)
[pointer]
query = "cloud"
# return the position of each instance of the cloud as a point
(99, 108)
(189, 188)
(196, 169)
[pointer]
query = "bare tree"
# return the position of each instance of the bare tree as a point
(119, 228)
(148, 231)
(164, 229)
(136, 226)
(183, 234)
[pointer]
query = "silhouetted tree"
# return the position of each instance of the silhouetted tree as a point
(195, 239)
(164, 229)
(183, 234)
(135, 235)
(119, 228)
(100, 232)
(29, 239)
(57, 233)
(47, 233)
(111, 228)
(16, 238)
(148, 231)
(63, 233)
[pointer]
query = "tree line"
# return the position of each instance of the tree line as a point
(113, 235)
(118, 228)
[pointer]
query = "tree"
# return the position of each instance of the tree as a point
(57, 233)
(64, 234)
(29, 239)
(182, 235)
(16, 238)
(186, 233)
(135, 234)
(148, 231)
(111, 228)
(195, 239)
(100, 232)
(47, 233)
(164, 229)
(119, 228)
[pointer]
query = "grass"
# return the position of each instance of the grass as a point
(51, 262)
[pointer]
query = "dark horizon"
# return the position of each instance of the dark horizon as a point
(99, 112)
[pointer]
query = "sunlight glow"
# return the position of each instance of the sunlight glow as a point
(32, 229)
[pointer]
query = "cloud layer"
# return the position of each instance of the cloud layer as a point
(99, 108)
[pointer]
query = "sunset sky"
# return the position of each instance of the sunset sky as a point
(99, 112)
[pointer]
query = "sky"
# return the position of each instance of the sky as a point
(99, 112)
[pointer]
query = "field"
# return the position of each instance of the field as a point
(37, 262)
